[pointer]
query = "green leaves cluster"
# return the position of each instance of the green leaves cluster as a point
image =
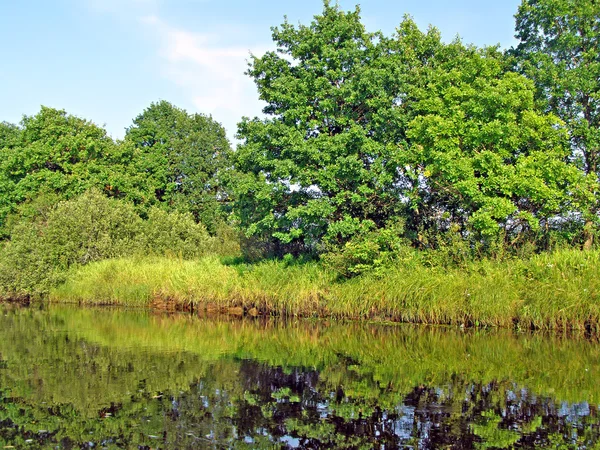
(363, 128)
(182, 157)
(168, 159)
(559, 48)
(53, 153)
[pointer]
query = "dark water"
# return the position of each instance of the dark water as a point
(72, 378)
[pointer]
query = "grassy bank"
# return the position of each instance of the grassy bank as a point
(549, 291)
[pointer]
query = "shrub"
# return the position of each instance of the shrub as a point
(369, 251)
(174, 233)
(88, 228)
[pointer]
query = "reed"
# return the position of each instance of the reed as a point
(550, 291)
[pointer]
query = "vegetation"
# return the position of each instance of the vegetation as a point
(550, 291)
(364, 129)
(559, 50)
(397, 176)
(182, 156)
(90, 228)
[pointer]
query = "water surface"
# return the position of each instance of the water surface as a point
(103, 378)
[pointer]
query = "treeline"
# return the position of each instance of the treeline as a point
(71, 195)
(372, 146)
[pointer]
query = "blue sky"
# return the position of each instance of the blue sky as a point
(107, 60)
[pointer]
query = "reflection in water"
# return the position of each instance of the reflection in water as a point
(74, 378)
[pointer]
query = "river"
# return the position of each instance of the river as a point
(115, 378)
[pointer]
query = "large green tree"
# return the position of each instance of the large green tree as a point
(182, 157)
(480, 157)
(363, 129)
(319, 166)
(559, 48)
(54, 154)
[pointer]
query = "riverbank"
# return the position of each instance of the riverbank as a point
(550, 291)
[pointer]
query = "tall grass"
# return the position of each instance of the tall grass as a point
(549, 291)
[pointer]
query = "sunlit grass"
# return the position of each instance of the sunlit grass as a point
(556, 291)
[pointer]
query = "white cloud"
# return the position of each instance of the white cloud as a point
(208, 72)
(211, 74)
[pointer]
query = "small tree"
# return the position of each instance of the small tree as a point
(88, 228)
(182, 157)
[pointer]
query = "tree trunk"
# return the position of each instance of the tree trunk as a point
(588, 235)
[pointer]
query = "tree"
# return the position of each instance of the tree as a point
(481, 158)
(9, 138)
(56, 154)
(181, 156)
(559, 49)
(319, 167)
(9, 134)
(363, 130)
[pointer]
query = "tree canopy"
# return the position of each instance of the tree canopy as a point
(168, 159)
(54, 153)
(559, 48)
(364, 129)
(182, 156)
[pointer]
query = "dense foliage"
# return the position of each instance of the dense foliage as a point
(559, 48)
(90, 228)
(372, 148)
(182, 156)
(56, 153)
(363, 129)
(70, 195)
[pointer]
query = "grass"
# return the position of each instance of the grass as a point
(550, 291)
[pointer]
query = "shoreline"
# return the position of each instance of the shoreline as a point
(557, 291)
(551, 291)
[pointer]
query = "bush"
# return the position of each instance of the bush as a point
(88, 228)
(174, 233)
(370, 252)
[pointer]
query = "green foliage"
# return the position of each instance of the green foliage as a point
(364, 129)
(53, 153)
(90, 228)
(372, 251)
(174, 233)
(51, 220)
(481, 157)
(181, 156)
(168, 159)
(317, 168)
(559, 48)
(363, 132)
